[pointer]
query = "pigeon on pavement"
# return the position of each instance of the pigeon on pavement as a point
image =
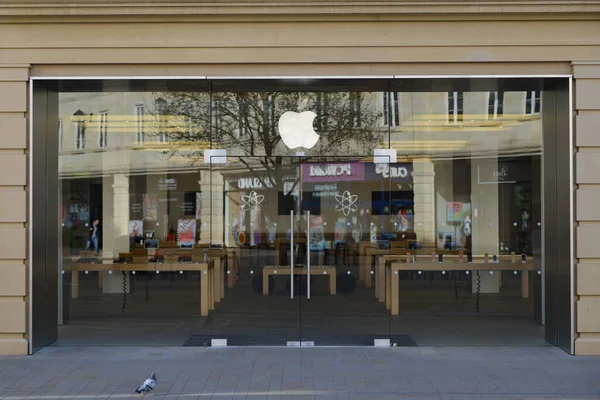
(148, 385)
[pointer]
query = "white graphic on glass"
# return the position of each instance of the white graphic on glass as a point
(296, 129)
(346, 203)
(252, 201)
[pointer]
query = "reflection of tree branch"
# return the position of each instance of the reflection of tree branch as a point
(246, 122)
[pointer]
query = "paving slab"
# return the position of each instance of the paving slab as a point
(477, 373)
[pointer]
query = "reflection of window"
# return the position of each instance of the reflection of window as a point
(495, 104)
(532, 102)
(162, 135)
(102, 129)
(79, 136)
(455, 107)
(60, 135)
(391, 109)
(355, 109)
(139, 123)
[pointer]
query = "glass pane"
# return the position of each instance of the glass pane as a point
(476, 188)
(252, 202)
(133, 209)
(347, 201)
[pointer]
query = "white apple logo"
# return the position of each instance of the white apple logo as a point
(296, 129)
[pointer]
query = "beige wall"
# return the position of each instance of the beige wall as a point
(13, 212)
(295, 40)
(587, 179)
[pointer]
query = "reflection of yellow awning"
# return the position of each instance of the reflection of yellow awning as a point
(466, 123)
(476, 117)
(173, 146)
(437, 145)
(121, 119)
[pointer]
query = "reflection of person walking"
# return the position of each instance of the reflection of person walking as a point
(94, 236)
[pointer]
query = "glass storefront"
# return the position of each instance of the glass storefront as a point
(263, 212)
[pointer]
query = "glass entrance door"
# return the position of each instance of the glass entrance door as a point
(292, 232)
(346, 205)
(254, 222)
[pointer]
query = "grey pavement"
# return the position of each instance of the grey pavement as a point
(302, 373)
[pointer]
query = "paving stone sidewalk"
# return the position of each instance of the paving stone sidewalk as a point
(302, 373)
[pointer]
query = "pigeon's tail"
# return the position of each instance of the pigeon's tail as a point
(138, 391)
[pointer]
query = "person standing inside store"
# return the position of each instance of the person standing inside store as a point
(94, 238)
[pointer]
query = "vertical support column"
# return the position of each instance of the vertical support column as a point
(13, 213)
(424, 194)
(212, 207)
(118, 187)
(108, 236)
(485, 236)
(444, 193)
(587, 180)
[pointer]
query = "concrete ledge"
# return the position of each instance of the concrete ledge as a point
(588, 314)
(14, 313)
(587, 347)
(14, 73)
(13, 280)
(588, 276)
(13, 347)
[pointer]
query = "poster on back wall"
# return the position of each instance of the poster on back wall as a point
(150, 203)
(186, 232)
(136, 228)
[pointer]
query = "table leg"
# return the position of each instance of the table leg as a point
(204, 295)
(395, 295)
(211, 287)
(100, 279)
(380, 286)
(332, 284)
(388, 288)
(525, 284)
(363, 267)
(231, 269)
(368, 277)
(222, 279)
(74, 284)
(218, 272)
(265, 282)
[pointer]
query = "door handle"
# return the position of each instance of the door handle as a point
(307, 254)
(292, 254)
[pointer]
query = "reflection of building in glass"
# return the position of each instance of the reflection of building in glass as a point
(143, 140)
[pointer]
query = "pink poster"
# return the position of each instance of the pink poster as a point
(186, 232)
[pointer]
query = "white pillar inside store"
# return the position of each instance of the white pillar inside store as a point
(424, 198)
(485, 219)
(212, 207)
(444, 187)
(61, 260)
(115, 227)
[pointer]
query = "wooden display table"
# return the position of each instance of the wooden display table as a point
(314, 270)
(207, 281)
(456, 263)
(370, 252)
